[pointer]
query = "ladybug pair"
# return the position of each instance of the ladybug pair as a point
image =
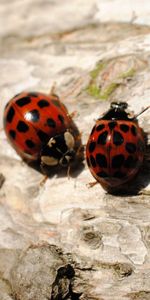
(40, 129)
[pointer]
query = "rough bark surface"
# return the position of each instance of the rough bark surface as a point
(64, 240)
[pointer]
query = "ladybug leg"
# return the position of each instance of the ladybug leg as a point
(25, 160)
(53, 89)
(68, 172)
(91, 184)
(79, 152)
(73, 114)
(80, 147)
(43, 181)
(52, 92)
(79, 136)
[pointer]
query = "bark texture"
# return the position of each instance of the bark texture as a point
(63, 240)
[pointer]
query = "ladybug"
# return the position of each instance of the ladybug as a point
(115, 148)
(40, 128)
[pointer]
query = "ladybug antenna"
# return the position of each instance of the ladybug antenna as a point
(68, 171)
(142, 111)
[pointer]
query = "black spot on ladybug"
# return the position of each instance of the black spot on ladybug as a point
(102, 138)
(119, 174)
(140, 146)
(43, 103)
(100, 127)
(117, 138)
(102, 174)
(112, 125)
(22, 126)
(124, 127)
(56, 103)
(88, 161)
(93, 130)
(92, 160)
(51, 123)
(131, 148)
(23, 101)
(33, 94)
(33, 115)
(101, 160)
(10, 114)
(12, 134)
(42, 136)
(61, 118)
(117, 161)
(30, 144)
(92, 146)
(130, 162)
(134, 130)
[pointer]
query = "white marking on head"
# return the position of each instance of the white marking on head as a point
(49, 160)
(68, 157)
(51, 142)
(69, 139)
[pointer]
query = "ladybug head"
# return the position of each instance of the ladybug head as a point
(117, 111)
(59, 150)
(119, 105)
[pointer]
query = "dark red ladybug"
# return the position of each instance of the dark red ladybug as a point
(40, 128)
(115, 148)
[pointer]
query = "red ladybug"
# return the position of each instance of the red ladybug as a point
(40, 128)
(116, 147)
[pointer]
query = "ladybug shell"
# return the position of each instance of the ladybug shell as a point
(31, 119)
(115, 152)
